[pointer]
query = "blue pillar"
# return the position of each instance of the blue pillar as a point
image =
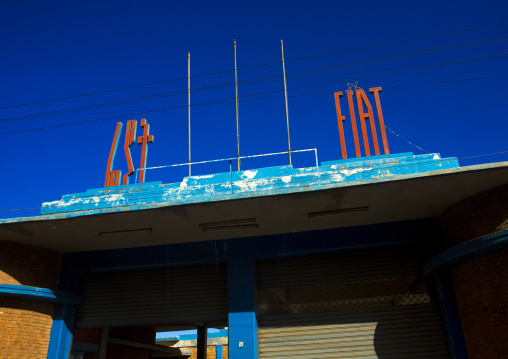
(60, 340)
(218, 352)
(61, 331)
(451, 316)
(243, 328)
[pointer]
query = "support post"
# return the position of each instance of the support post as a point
(286, 99)
(242, 324)
(237, 125)
(218, 352)
(188, 107)
(451, 316)
(202, 342)
(61, 332)
(103, 345)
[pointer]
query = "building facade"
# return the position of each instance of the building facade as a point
(387, 256)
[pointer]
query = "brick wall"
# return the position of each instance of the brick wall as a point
(484, 213)
(87, 335)
(27, 265)
(481, 284)
(145, 335)
(481, 287)
(210, 352)
(25, 325)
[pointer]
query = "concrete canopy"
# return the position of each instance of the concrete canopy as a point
(382, 200)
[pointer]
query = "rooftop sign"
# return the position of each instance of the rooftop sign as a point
(362, 100)
(113, 177)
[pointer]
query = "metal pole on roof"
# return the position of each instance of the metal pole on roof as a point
(286, 97)
(237, 127)
(188, 95)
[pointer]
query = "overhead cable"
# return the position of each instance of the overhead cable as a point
(260, 65)
(249, 81)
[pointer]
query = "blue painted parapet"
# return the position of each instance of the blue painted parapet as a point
(250, 183)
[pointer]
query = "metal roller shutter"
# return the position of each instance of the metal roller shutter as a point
(154, 297)
(347, 305)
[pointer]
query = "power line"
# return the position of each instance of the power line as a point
(332, 67)
(227, 101)
(261, 65)
(411, 143)
(405, 54)
(253, 81)
(488, 154)
(252, 95)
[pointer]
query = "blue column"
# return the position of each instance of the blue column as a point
(243, 328)
(61, 331)
(60, 340)
(451, 316)
(218, 352)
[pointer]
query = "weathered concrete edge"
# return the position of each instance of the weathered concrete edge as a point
(245, 195)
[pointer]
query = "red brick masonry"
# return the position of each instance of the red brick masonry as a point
(25, 325)
(481, 284)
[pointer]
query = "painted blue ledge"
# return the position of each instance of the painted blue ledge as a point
(249, 183)
(469, 250)
(39, 294)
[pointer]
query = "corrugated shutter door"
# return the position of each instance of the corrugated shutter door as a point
(412, 331)
(347, 305)
(154, 297)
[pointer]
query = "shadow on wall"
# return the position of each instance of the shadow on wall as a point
(407, 331)
(28, 265)
(417, 333)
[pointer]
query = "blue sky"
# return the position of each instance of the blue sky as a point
(59, 49)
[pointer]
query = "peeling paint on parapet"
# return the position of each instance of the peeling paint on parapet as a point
(203, 176)
(249, 174)
(245, 184)
(356, 170)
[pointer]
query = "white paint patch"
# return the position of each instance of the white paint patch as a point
(61, 203)
(49, 204)
(337, 177)
(249, 185)
(210, 189)
(110, 198)
(203, 177)
(242, 184)
(183, 184)
(286, 179)
(90, 200)
(436, 157)
(354, 171)
(249, 174)
(96, 199)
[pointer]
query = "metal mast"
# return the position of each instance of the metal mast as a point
(286, 97)
(237, 128)
(188, 96)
